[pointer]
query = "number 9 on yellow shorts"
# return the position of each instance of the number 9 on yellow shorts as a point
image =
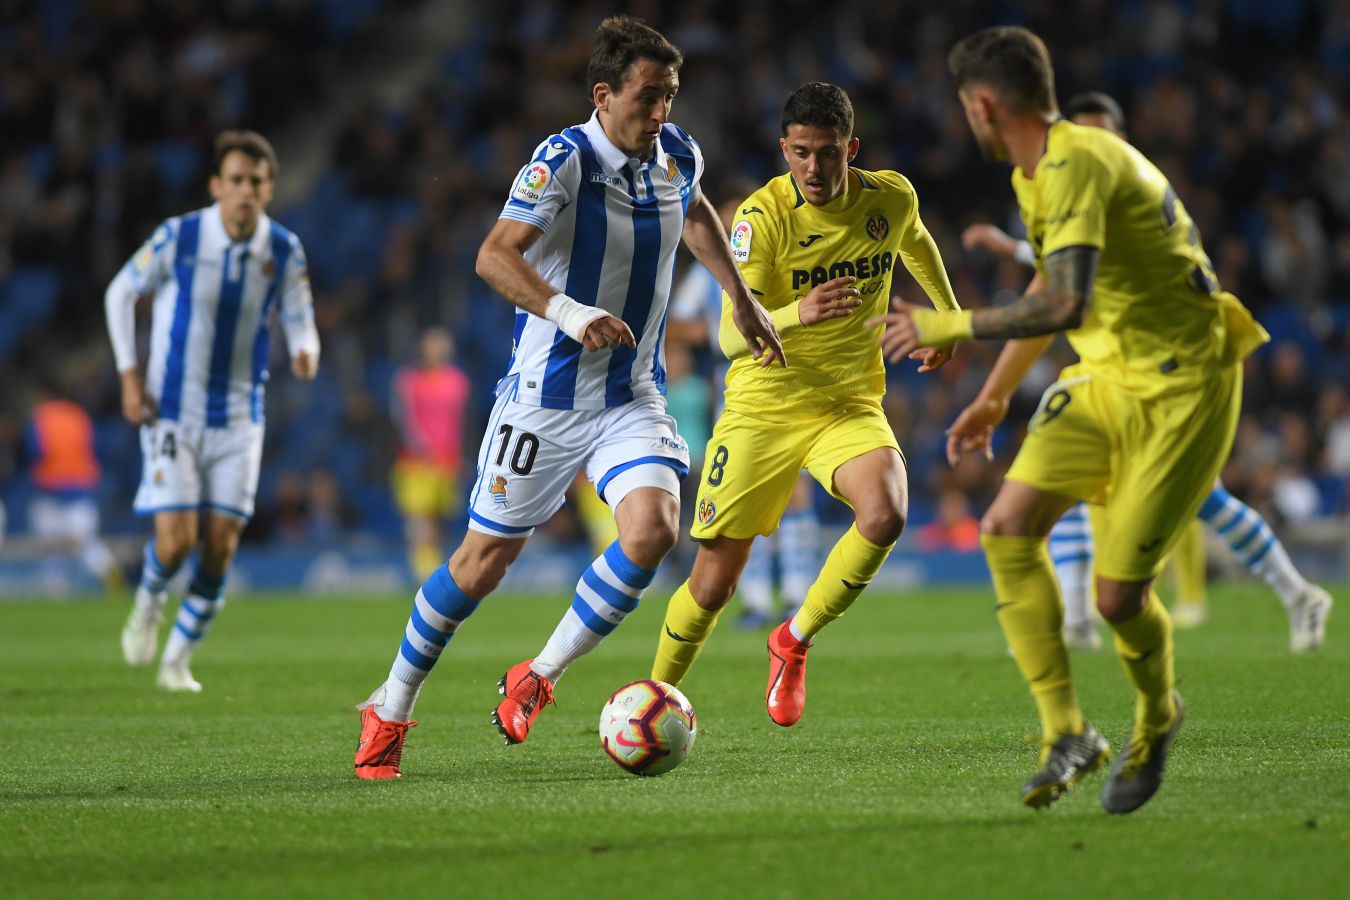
(1146, 463)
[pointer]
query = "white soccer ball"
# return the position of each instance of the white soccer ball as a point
(647, 727)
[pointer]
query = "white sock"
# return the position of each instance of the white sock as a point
(204, 600)
(799, 555)
(756, 586)
(1249, 536)
(1071, 552)
(606, 593)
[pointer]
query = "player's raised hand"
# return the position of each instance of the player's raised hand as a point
(973, 429)
(754, 324)
(901, 337)
(988, 237)
(933, 358)
(832, 299)
(138, 407)
(305, 365)
(607, 332)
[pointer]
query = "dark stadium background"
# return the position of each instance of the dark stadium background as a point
(401, 123)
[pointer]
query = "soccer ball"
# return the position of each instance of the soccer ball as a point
(647, 727)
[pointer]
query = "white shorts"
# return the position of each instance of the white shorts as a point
(55, 518)
(212, 469)
(530, 456)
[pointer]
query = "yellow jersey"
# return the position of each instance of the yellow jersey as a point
(785, 246)
(1157, 317)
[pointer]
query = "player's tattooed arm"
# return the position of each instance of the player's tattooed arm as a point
(1068, 274)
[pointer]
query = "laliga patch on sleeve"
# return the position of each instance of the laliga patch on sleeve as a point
(741, 235)
(530, 186)
(141, 261)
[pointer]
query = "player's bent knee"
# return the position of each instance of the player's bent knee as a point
(1118, 601)
(881, 526)
(647, 544)
(479, 566)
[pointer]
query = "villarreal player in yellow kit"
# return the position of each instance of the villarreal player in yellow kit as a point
(819, 246)
(1139, 428)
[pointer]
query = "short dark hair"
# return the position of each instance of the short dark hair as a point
(621, 41)
(1010, 59)
(1095, 103)
(249, 142)
(819, 105)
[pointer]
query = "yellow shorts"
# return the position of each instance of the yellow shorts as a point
(424, 489)
(751, 465)
(1146, 464)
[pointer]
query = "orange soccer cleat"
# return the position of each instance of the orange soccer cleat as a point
(786, 694)
(526, 693)
(379, 750)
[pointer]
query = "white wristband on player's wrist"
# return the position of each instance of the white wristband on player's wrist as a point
(570, 316)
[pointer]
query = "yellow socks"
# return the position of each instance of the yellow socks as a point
(1144, 644)
(683, 634)
(849, 568)
(1188, 564)
(426, 559)
(1031, 613)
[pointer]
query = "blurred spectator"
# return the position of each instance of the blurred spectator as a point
(429, 403)
(954, 528)
(65, 476)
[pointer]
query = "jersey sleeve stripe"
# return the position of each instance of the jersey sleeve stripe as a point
(517, 211)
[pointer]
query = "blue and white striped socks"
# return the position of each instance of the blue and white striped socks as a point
(204, 599)
(438, 610)
(608, 591)
(155, 576)
(1251, 540)
(1071, 552)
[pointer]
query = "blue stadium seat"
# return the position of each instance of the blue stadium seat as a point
(179, 165)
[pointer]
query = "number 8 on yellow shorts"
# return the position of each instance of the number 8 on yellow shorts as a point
(751, 464)
(1145, 463)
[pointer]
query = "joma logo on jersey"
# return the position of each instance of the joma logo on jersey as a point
(864, 267)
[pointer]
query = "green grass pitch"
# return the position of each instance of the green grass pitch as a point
(901, 780)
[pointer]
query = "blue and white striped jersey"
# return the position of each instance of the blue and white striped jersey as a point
(611, 227)
(213, 301)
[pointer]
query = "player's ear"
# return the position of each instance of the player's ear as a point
(216, 186)
(601, 94)
(853, 145)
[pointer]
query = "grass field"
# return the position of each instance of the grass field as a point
(901, 780)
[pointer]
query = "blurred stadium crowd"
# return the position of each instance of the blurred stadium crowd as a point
(107, 110)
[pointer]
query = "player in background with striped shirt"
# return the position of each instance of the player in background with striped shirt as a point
(1242, 528)
(217, 276)
(585, 248)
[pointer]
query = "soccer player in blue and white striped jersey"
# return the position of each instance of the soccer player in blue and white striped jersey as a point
(585, 248)
(217, 276)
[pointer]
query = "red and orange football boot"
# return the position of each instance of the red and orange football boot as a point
(379, 750)
(526, 693)
(786, 694)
